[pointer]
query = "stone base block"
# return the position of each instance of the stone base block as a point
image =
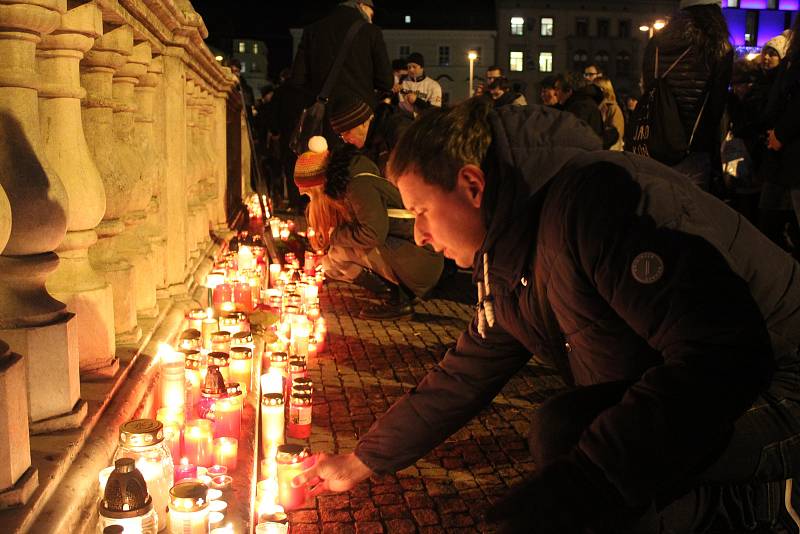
(131, 337)
(51, 357)
(101, 374)
(72, 419)
(19, 493)
(94, 313)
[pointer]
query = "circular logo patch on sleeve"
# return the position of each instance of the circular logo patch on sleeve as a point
(647, 268)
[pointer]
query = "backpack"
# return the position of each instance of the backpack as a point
(657, 128)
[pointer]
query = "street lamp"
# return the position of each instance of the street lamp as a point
(657, 25)
(472, 55)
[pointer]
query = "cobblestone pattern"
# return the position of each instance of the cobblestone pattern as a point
(366, 366)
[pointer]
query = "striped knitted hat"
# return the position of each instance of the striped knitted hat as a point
(347, 112)
(309, 170)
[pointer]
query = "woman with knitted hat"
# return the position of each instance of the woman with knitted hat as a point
(358, 218)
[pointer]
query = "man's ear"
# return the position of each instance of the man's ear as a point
(472, 182)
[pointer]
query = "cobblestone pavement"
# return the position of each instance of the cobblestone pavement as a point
(365, 367)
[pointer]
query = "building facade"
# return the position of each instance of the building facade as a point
(754, 22)
(537, 38)
(253, 55)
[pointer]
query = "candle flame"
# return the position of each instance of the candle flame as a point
(209, 313)
(184, 461)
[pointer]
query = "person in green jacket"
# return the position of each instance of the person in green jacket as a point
(358, 219)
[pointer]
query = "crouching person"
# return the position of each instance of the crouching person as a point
(358, 218)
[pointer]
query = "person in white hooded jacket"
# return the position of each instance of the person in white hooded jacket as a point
(418, 92)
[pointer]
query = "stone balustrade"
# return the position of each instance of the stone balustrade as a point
(115, 150)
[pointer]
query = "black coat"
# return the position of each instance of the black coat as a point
(696, 75)
(649, 280)
(784, 117)
(584, 104)
(365, 69)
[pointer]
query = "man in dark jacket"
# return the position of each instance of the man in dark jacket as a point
(676, 319)
(580, 98)
(366, 68)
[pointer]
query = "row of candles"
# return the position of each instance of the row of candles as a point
(203, 386)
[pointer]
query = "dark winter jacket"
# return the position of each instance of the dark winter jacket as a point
(584, 104)
(694, 77)
(371, 197)
(783, 115)
(650, 280)
(366, 67)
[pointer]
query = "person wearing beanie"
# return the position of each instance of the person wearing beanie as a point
(697, 41)
(418, 92)
(359, 221)
(773, 52)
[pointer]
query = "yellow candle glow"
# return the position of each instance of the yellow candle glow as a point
(226, 452)
(210, 325)
(272, 382)
(198, 442)
(301, 329)
(241, 367)
(272, 421)
(274, 274)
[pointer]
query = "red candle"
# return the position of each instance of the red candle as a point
(185, 470)
(243, 296)
(226, 451)
(222, 293)
(291, 461)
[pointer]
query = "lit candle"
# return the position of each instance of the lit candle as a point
(221, 341)
(246, 258)
(308, 261)
(188, 508)
(275, 523)
(301, 329)
(272, 382)
(275, 227)
(272, 420)
(185, 470)
(241, 367)
(191, 339)
(230, 323)
(198, 440)
(218, 506)
(292, 460)
(226, 451)
(168, 415)
(195, 318)
(222, 361)
(216, 470)
(284, 232)
(299, 416)
(228, 412)
(172, 437)
(243, 295)
(210, 326)
(173, 384)
(193, 372)
(274, 274)
(214, 279)
(311, 294)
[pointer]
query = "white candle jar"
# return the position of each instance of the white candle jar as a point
(188, 508)
(143, 441)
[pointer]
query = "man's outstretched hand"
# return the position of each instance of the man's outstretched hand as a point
(333, 472)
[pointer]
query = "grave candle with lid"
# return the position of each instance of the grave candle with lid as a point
(272, 420)
(241, 367)
(292, 460)
(188, 508)
(126, 502)
(228, 412)
(198, 441)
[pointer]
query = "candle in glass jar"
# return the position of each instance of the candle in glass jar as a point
(272, 420)
(198, 437)
(243, 295)
(275, 523)
(188, 508)
(194, 318)
(230, 323)
(272, 382)
(173, 385)
(300, 332)
(292, 460)
(275, 227)
(210, 326)
(241, 367)
(274, 274)
(299, 416)
(191, 339)
(214, 279)
(228, 412)
(222, 361)
(221, 341)
(223, 293)
(246, 258)
(311, 295)
(226, 450)
(172, 437)
(185, 470)
(194, 378)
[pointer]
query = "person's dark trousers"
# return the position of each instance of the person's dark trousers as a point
(743, 488)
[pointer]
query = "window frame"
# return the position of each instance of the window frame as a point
(551, 26)
(517, 29)
(512, 60)
(551, 60)
(582, 22)
(447, 49)
(606, 24)
(242, 47)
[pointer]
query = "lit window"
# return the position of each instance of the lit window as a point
(404, 51)
(517, 26)
(255, 48)
(444, 55)
(408, 19)
(242, 47)
(546, 25)
(515, 61)
(545, 62)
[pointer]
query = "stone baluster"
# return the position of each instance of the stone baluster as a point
(75, 282)
(219, 145)
(150, 128)
(210, 184)
(196, 207)
(109, 54)
(135, 148)
(172, 202)
(32, 322)
(18, 479)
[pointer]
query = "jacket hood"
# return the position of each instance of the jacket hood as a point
(529, 147)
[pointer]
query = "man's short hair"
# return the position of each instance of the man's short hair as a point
(495, 67)
(234, 62)
(399, 64)
(548, 82)
(598, 69)
(571, 81)
(439, 143)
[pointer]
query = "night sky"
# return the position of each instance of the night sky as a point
(270, 20)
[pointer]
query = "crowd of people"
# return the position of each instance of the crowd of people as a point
(638, 246)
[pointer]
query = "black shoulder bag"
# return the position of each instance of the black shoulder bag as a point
(310, 123)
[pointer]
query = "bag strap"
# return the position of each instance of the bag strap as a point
(325, 93)
(673, 63)
(697, 120)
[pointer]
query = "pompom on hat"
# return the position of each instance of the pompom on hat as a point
(310, 168)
